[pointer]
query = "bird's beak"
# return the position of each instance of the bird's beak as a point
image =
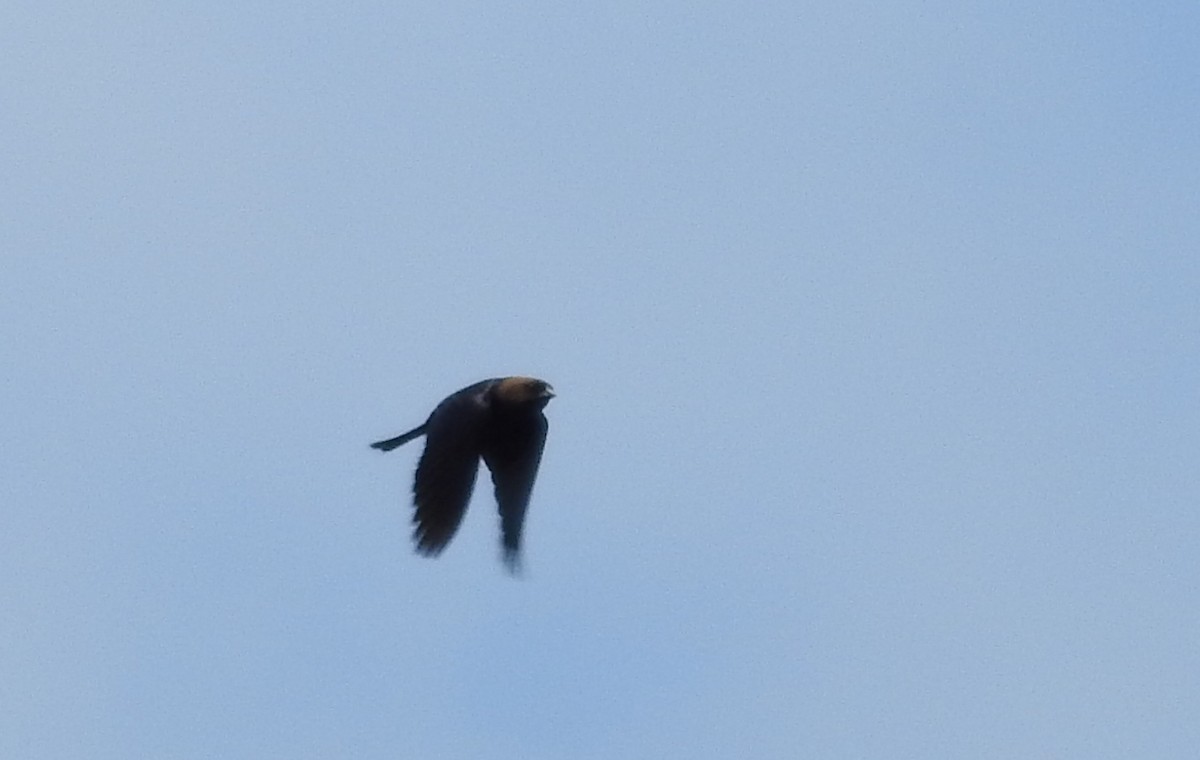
(548, 393)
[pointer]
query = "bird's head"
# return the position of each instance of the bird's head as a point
(524, 390)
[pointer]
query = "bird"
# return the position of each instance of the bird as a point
(500, 421)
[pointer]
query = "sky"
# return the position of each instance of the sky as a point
(874, 329)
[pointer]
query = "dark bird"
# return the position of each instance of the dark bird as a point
(499, 420)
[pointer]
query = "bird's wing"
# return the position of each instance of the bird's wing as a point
(446, 473)
(513, 460)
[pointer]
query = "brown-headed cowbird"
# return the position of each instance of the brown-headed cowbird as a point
(499, 420)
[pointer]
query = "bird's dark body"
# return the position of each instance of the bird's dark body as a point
(499, 421)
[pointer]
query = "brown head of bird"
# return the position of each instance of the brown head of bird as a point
(523, 391)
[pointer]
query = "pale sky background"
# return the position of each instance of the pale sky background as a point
(875, 328)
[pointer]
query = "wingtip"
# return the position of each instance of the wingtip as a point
(512, 563)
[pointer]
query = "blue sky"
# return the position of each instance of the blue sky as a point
(875, 333)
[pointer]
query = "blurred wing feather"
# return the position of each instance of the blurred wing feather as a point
(513, 457)
(446, 473)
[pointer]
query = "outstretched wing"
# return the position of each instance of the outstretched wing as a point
(446, 473)
(513, 456)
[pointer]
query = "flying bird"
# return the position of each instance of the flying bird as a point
(499, 420)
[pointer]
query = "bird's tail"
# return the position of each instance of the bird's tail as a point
(399, 440)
